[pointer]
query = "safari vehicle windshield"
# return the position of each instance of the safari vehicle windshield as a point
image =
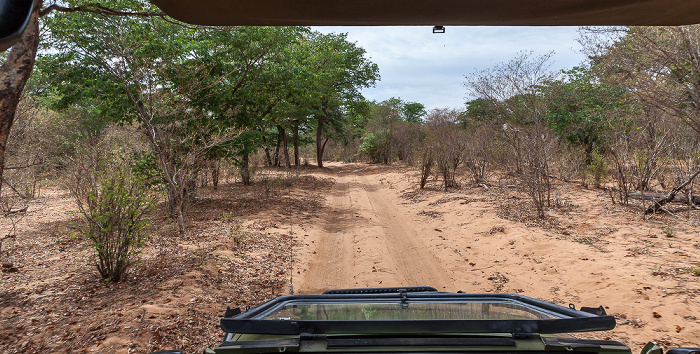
(372, 310)
(399, 319)
(406, 312)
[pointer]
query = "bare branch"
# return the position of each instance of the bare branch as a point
(102, 10)
(98, 9)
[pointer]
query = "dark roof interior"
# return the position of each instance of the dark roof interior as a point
(433, 12)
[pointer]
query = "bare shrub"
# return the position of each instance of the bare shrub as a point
(638, 148)
(619, 151)
(31, 146)
(345, 151)
(406, 137)
(570, 162)
(447, 143)
(654, 146)
(479, 151)
(536, 144)
(426, 165)
(684, 162)
(658, 67)
(512, 90)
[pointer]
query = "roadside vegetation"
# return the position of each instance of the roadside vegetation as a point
(182, 105)
(142, 119)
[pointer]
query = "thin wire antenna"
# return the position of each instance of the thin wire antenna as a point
(291, 242)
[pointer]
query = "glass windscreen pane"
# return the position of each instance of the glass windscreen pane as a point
(405, 311)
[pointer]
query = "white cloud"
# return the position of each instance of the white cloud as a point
(417, 65)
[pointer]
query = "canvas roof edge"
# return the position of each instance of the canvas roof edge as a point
(433, 12)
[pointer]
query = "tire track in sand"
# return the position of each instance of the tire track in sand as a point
(365, 239)
(330, 262)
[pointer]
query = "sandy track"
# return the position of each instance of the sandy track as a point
(377, 230)
(366, 239)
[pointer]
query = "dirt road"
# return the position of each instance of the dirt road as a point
(370, 227)
(367, 239)
(377, 230)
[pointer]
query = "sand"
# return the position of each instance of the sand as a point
(378, 230)
(354, 225)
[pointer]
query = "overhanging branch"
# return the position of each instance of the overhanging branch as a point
(98, 9)
(102, 10)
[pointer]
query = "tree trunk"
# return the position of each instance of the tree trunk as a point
(180, 217)
(320, 145)
(215, 175)
(297, 162)
(14, 74)
(277, 149)
(692, 201)
(245, 169)
(653, 208)
(176, 204)
(285, 149)
(268, 158)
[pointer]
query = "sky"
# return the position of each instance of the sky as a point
(419, 66)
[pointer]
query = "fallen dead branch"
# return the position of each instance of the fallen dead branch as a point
(15, 211)
(671, 196)
(654, 196)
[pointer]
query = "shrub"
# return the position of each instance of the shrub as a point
(426, 166)
(597, 168)
(113, 202)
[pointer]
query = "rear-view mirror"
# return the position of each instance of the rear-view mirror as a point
(14, 17)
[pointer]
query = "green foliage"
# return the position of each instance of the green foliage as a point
(144, 166)
(113, 203)
(478, 110)
(413, 112)
(584, 240)
(392, 130)
(597, 167)
(373, 145)
(580, 107)
(668, 231)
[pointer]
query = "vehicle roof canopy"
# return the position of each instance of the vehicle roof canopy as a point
(433, 12)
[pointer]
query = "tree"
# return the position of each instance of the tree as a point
(14, 74)
(479, 110)
(19, 63)
(663, 65)
(135, 68)
(413, 112)
(660, 66)
(579, 105)
(393, 130)
(378, 142)
(253, 86)
(512, 89)
(337, 70)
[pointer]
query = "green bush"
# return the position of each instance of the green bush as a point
(597, 168)
(369, 146)
(113, 202)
